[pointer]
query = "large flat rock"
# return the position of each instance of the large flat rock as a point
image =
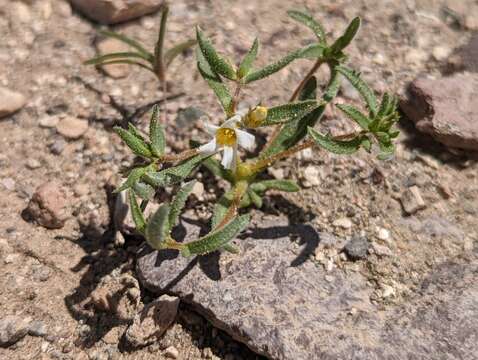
(284, 306)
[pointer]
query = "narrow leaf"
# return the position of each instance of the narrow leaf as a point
(129, 62)
(217, 63)
(135, 131)
(158, 227)
(289, 112)
(250, 57)
(136, 212)
(133, 177)
(281, 185)
(364, 90)
(138, 146)
(313, 51)
(335, 146)
(217, 239)
(356, 115)
(178, 203)
(231, 248)
(343, 41)
(143, 190)
(333, 86)
(217, 169)
(307, 19)
(255, 198)
(272, 68)
(156, 133)
(178, 49)
(220, 209)
(99, 60)
(130, 42)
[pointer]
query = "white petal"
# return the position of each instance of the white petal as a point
(229, 158)
(208, 148)
(232, 122)
(246, 140)
(210, 128)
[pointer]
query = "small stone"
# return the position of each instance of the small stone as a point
(387, 291)
(57, 146)
(8, 184)
(81, 189)
(311, 176)
(108, 46)
(33, 164)
(10, 101)
(5, 248)
(48, 205)
(277, 173)
(357, 248)
(198, 190)
(441, 53)
(383, 234)
(48, 121)
(344, 223)
(381, 250)
(151, 323)
(12, 329)
(171, 352)
(11, 258)
(72, 128)
(37, 328)
(112, 12)
(412, 200)
(379, 59)
(188, 117)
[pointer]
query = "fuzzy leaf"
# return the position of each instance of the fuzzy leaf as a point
(99, 60)
(130, 42)
(143, 190)
(178, 49)
(289, 112)
(335, 146)
(158, 227)
(178, 202)
(136, 212)
(272, 68)
(217, 63)
(133, 177)
(281, 185)
(356, 115)
(349, 34)
(175, 174)
(156, 133)
(217, 169)
(250, 57)
(255, 198)
(333, 86)
(136, 144)
(216, 239)
(365, 91)
(313, 51)
(307, 19)
(220, 209)
(135, 131)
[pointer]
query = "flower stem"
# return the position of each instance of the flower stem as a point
(235, 98)
(239, 190)
(179, 157)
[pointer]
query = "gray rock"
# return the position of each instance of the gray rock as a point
(10, 101)
(357, 248)
(412, 200)
(72, 128)
(153, 321)
(37, 328)
(282, 306)
(48, 205)
(187, 117)
(446, 109)
(12, 329)
(115, 11)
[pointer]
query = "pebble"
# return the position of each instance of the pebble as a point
(198, 190)
(188, 117)
(48, 205)
(10, 101)
(48, 121)
(12, 329)
(412, 200)
(5, 248)
(311, 176)
(81, 189)
(383, 234)
(37, 328)
(171, 352)
(57, 146)
(357, 248)
(344, 223)
(381, 250)
(441, 53)
(33, 164)
(72, 128)
(387, 291)
(8, 184)
(108, 46)
(277, 173)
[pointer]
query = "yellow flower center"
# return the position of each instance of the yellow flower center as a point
(226, 137)
(255, 117)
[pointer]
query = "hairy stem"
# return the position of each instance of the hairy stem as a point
(179, 157)
(235, 98)
(239, 190)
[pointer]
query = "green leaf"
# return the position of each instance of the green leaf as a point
(363, 89)
(343, 41)
(281, 185)
(157, 229)
(156, 133)
(217, 169)
(135, 131)
(231, 248)
(272, 68)
(336, 146)
(178, 203)
(136, 144)
(307, 19)
(130, 42)
(255, 198)
(356, 115)
(99, 60)
(333, 86)
(287, 112)
(129, 62)
(175, 174)
(143, 190)
(178, 49)
(250, 57)
(366, 144)
(220, 209)
(309, 91)
(216, 84)
(386, 151)
(217, 63)
(136, 212)
(313, 51)
(133, 178)
(216, 239)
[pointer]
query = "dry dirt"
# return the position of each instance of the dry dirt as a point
(49, 275)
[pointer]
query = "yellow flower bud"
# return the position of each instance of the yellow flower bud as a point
(255, 117)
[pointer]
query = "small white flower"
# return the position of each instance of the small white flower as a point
(226, 138)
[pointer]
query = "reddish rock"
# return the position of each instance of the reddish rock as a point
(48, 205)
(116, 11)
(446, 108)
